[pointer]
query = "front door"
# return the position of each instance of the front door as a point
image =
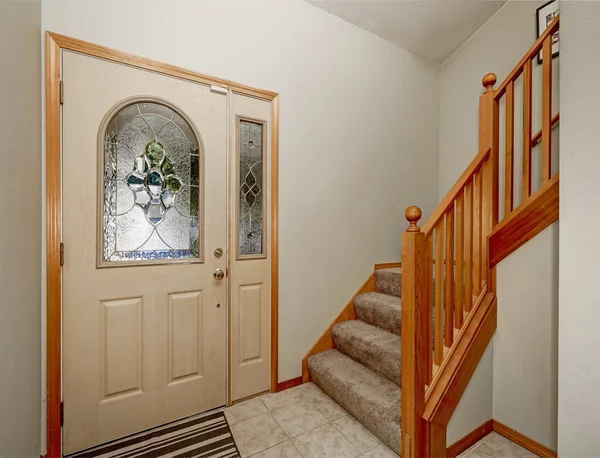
(144, 198)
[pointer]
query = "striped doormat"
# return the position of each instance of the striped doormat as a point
(203, 437)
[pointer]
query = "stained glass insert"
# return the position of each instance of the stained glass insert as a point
(151, 185)
(251, 208)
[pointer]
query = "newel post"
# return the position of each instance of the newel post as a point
(488, 138)
(414, 335)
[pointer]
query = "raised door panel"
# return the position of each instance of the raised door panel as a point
(185, 336)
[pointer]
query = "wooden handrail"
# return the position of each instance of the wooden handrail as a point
(449, 199)
(538, 136)
(537, 46)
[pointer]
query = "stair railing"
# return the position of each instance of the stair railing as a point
(446, 270)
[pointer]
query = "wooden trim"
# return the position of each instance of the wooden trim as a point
(470, 439)
(538, 136)
(537, 46)
(387, 265)
(54, 44)
(274, 243)
(523, 441)
(325, 342)
(453, 377)
(441, 209)
(291, 383)
(102, 52)
(53, 240)
(528, 220)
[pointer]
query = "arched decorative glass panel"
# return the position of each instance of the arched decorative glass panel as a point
(151, 185)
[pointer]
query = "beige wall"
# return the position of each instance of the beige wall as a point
(579, 285)
(20, 229)
(526, 280)
(358, 132)
(526, 341)
(475, 406)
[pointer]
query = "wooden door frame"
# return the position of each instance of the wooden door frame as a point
(55, 43)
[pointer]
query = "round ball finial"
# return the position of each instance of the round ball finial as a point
(488, 81)
(413, 215)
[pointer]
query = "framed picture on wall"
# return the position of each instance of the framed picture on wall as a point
(545, 14)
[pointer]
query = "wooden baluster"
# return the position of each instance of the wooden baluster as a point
(414, 334)
(547, 109)
(489, 138)
(439, 293)
(526, 177)
(429, 308)
(477, 232)
(458, 303)
(449, 296)
(469, 246)
(510, 140)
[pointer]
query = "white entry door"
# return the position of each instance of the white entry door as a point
(144, 198)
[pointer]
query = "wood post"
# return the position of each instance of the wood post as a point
(416, 358)
(488, 138)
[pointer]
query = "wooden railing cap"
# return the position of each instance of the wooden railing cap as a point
(413, 215)
(488, 82)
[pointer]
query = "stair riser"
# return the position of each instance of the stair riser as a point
(389, 281)
(384, 312)
(357, 401)
(387, 364)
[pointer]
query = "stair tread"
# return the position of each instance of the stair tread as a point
(389, 281)
(381, 310)
(371, 346)
(372, 399)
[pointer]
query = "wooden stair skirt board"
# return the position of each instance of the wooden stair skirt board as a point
(529, 219)
(492, 425)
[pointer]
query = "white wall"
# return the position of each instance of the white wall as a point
(527, 296)
(358, 132)
(579, 285)
(525, 344)
(20, 229)
(475, 406)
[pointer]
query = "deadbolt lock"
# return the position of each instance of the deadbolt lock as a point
(218, 252)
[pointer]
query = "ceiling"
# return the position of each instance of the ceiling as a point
(431, 29)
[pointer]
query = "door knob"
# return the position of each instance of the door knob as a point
(219, 274)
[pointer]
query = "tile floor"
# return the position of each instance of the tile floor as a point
(303, 422)
(496, 446)
(300, 422)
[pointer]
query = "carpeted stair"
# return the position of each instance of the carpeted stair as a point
(363, 373)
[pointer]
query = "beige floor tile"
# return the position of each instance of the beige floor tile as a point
(380, 452)
(356, 433)
(496, 446)
(327, 406)
(298, 418)
(274, 401)
(284, 450)
(244, 411)
(257, 434)
(324, 442)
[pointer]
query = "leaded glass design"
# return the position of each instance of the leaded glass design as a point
(151, 185)
(251, 188)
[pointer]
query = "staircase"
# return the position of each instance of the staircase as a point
(389, 361)
(362, 373)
